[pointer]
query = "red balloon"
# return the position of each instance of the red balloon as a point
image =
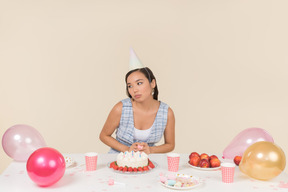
(45, 166)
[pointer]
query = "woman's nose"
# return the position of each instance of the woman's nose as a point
(135, 89)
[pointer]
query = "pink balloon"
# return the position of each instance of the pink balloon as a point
(19, 141)
(243, 140)
(45, 166)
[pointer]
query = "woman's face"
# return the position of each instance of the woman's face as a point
(139, 87)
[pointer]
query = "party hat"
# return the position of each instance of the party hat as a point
(135, 63)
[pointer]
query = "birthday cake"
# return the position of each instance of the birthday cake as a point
(132, 159)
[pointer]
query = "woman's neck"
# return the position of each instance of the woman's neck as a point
(146, 105)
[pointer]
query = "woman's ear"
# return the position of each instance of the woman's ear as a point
(153, 83)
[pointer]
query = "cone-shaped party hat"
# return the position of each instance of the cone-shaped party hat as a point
(135, 63)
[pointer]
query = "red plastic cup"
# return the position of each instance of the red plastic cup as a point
(91, 161)
(173, 161)
(227, 170)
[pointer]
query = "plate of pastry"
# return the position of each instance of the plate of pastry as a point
(180, 181)
(69, 162)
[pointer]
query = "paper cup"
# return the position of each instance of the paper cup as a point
(227, 170)
(173, 161)
(91, 161)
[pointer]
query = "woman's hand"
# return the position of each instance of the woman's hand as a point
(142, 147)
(134, 147)
(145, 148)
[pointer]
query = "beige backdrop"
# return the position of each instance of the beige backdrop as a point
(221, 66)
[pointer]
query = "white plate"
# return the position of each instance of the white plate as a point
(197, 181)
(133, 173)
(204, 169)
(69, 161)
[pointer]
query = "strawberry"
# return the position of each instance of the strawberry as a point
(113, 164)
(120, 168)
(146, 168)
(140, 169)
(125, 169)
(115, 167)
(151, 165)
(130, 169)
(135, 169)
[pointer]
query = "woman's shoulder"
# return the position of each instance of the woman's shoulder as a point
(118, 106)
(164, 105)
(170, 112)
(126, 102)
(168, 108)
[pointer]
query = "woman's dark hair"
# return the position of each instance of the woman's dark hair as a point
(149, 75)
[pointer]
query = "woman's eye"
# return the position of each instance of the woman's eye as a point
(129, 86)
(139, 83)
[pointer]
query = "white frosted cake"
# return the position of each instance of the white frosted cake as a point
(132, 159)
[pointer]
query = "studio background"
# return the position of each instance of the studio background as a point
(220, 65)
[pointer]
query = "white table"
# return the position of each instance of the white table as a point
(15, 178)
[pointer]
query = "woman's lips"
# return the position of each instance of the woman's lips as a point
(137, 96)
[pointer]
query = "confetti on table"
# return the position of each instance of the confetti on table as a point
(283, 185)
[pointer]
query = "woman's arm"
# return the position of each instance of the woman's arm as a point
(169, 137)
(109, 127)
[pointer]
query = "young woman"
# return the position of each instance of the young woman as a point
(141, 120)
